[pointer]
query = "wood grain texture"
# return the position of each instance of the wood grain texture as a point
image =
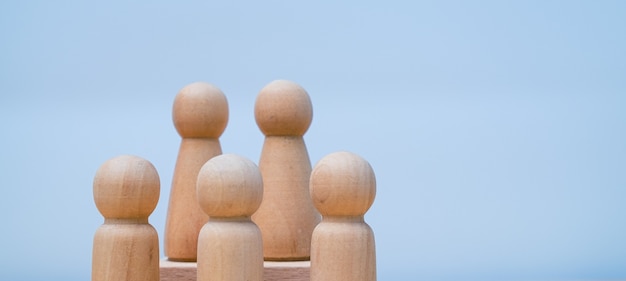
(343, 187)
(230, 247)
(286, 217)
(200, 115)
(273, 271)
(126, 247)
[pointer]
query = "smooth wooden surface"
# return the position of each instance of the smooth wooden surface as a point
(200, 115)
(126, 247)
(343, 187)
(273, 271)
(286, 217)
(230, 246)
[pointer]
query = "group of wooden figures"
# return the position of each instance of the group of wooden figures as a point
(230, 215)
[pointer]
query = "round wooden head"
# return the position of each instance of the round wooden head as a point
(200, 111)
(342, 184)
(229, 186)
(283, 108)
(126, 187)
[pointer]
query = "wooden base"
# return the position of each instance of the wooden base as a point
(274, 271)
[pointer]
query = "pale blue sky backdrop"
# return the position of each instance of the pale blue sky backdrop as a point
(497, 129)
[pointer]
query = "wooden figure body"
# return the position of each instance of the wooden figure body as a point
(343, 187)
(286, 217)
(126, 247)
(230, 247)
(200, 115)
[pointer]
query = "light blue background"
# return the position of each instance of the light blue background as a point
(496, 128)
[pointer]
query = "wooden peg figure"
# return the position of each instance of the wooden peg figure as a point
(126, 247)
(230, 247)
(343, 187)
(200, 116)
(283, 112)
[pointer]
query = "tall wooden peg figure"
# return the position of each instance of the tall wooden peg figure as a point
(126, 247)
(343, 187)
(283, 112)
(230, 190)
(200, 116)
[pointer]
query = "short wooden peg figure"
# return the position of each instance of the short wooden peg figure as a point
(126, 247)
(230, 246)
(200, 116)
(343, 187)
(283, 112)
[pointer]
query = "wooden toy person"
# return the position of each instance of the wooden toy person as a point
(126, 247)
(283, 112)
(230, 247)
(343, 187)
(200, 116)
